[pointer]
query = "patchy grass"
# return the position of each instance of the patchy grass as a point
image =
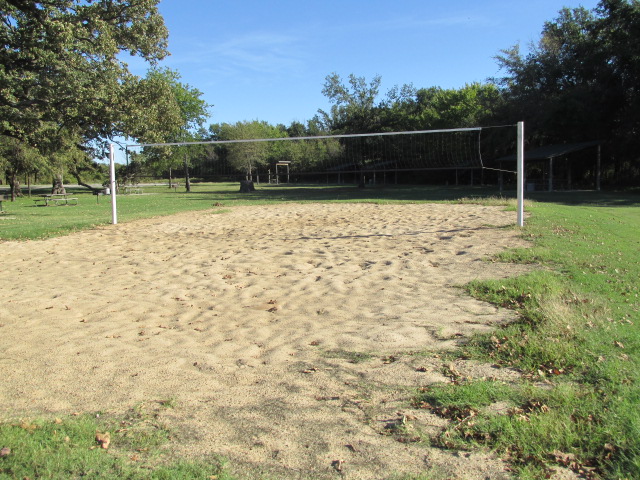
(577, 343)
(352, 357)
(68, 448)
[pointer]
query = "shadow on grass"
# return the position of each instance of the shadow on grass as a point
(591, 198)
(414, 193)
(327, 193)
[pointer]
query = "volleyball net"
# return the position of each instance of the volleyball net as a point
(448, 156)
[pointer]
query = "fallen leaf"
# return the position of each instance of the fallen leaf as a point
(5, 451)
(619, 344)
(30, 427)
(103, 439)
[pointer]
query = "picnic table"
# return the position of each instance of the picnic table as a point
(55, 199)
(129, 189)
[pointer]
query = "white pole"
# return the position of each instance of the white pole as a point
(112, 182)
(520, 175)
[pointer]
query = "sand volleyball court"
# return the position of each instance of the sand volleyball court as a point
(289, 337)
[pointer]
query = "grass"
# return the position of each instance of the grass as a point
(577, 341)
(67, 448)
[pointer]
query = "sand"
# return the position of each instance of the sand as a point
(289, 338)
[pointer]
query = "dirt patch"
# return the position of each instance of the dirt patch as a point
(289, 337)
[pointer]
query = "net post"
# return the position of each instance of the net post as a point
(520, 173)
(112, 182)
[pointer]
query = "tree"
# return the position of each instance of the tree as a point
(61, 66)
(60, 61)
(248, 156)
(191, 111)
(354, 108)
(17, 157)
(555, 87)
(470, 106)
(579, 81)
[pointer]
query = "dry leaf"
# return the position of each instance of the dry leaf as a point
(103, 439)
(30, 427)
(619, 344)
(5, 451)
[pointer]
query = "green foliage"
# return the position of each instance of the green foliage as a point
(473, 105)
(576, 83)
(65, 87)
(60, 62)
(246, 156)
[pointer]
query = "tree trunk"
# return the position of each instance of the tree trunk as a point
(15, 187)
(58, 187)
(246, 186)
(187, 179)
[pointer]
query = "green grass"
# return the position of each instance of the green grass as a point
(577, 343)
(67, 448)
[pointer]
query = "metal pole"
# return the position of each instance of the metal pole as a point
(520, 174)
(112, 182)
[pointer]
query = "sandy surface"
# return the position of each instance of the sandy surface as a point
(289, 337)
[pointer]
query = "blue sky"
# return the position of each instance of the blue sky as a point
(267, 60)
